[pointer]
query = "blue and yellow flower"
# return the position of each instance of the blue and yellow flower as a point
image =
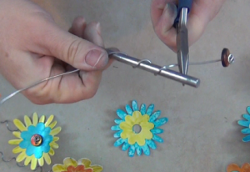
(36, 140)
(246, 123)
(138, 129)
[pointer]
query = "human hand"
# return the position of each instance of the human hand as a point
(33, 47)
(164, 12)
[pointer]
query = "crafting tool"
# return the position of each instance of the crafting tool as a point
(184, 7)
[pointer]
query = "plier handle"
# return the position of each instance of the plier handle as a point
(184, 7)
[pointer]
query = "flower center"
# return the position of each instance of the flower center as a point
(36, 140)
(137, 128)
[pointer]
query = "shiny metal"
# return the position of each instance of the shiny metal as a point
(6, 122)
(182, 42)
(158, 70)
(231, 59)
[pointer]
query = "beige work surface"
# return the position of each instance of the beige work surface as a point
(202, 134)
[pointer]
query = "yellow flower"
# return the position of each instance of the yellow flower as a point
(71, 165)
(36, 140)
(141, 121)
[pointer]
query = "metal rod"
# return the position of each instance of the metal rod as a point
(153, 68)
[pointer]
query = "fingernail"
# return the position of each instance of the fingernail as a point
(170, 10)
(97, 58)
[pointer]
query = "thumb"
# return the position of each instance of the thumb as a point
(73, 50)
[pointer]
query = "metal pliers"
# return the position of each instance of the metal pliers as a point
(184, 7)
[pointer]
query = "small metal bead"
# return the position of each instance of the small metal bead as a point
(226, 57)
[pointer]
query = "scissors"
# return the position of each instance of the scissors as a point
(184, 7)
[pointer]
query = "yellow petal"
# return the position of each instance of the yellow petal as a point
(70, 162)
(15, 141)
(54, 145)
(137, 117)
(97, 168)
(47, 158)
(17, 150)
(58, 168)
(49, 120)
(140, 140)
(17, 134)
(19, 125)
(33, 163)
(126, 134)
(130, 120)
(27, 160)
(42, 119)
(146, 134)
(144, 118)
(55, 131)
(147, 125)
(51, 152)
(41, 162)
(53, 124)
(86, 162)
(35, 119)
(27, 121)
(132, 139)
(126, 126)
(55, 139)
(21, 156)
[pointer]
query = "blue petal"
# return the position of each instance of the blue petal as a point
(24, 144)
(38, 152)
(119, 142)
(246, 139)
(118, 121)
(45, 148)
(246, 116)
(138, 149)
(245, 131)
(40, 126)
(46, 132)
(155, 116)
(143, 109)
(118, 134)
(244, 123)
(158, 139)
(160, 122)
(146, 150)
(128, 109)
(30, 150)
(115, 128)
(121, 113)
(26, 135)
(157, 131)
(134, 105)
(248, 109)
(131, 151)
(125, 146)
(150, 109)
(47, 139)
(32, 129)
(151, 144)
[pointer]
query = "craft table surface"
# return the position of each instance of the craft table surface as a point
(202, 134)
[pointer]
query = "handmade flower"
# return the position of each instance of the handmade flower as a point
(71, 165)
(137, 129)
(246, 123)
(36, 140)
(236, 168)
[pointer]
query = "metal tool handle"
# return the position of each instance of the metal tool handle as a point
(155, 69)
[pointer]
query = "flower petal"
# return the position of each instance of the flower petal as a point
(55, 131)
(26, 135)
(141, 140)
(17, 134)
(38, 152)
(158, 139)
(138, 149)
(121, 113)
(146, 134)
(248, 109)
(119, 142)
(150, 109)
(58, 168)
(42, 119)
(19, 125)
(47, 158)
(131, 151)
(33, 163)
(55, 139)
(14, 141)
(161, 122)
(49, 120)
(40, 127)
(54, 145)
(51, 152)
(70, 162)
(17, 150)
(143, 109)
(126, 126)
(151, 144)
(21, 157)
(30, 150)
(35, 119)
(155, 116)
(144, 118)
(97, 168)
(125, 146)
(135, 105)
(27, 160)
(246, 139)
(246, 116)
(128, 109)
(45, 148)
(53, 124)
(244, 123)
(146, 150)
(27, 121)
(118, 121)
(24, 144)
(147, 125)
(118, 134)
(41, 162)
(126, 134)
(132, 139)
(245, 131)
(86, 162)
(157, 131)
(115, 128)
